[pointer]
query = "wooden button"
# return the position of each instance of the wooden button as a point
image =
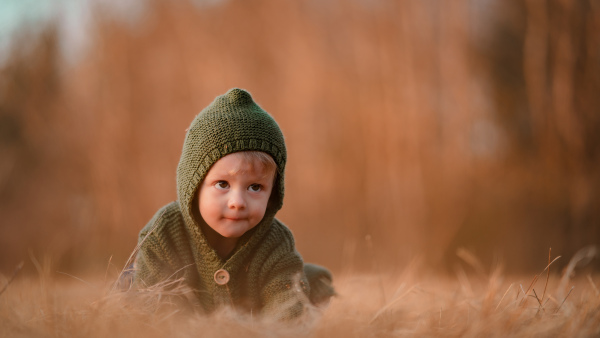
(221, 277)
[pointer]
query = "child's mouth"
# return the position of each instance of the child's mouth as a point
(233, 218)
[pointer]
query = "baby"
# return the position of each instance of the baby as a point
(221, 235)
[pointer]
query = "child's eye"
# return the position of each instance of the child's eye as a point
(222, 185)
(255, 187)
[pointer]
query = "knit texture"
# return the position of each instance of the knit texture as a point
(266, 272)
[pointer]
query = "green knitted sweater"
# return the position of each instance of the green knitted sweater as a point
(265, 272)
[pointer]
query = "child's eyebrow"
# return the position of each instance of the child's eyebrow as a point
(261, 176)
(253, 170)
(228, 174)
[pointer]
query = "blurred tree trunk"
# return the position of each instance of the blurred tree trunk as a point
(550, 50)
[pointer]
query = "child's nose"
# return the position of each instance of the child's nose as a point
(236, 201)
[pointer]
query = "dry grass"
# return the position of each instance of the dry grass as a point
(410, 304)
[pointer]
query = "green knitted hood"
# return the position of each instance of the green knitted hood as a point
(232, 122)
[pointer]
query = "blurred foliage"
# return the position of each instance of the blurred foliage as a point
(413, 128)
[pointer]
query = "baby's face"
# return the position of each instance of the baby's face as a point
(234, 195)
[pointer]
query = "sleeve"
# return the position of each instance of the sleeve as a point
(285, 290)
(321, 284)
(154, 262)
(285, 295)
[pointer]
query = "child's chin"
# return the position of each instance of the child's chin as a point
(231, 235)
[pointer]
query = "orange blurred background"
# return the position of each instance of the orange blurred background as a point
(413, 127)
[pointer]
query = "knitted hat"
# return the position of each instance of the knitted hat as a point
(232, 122)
